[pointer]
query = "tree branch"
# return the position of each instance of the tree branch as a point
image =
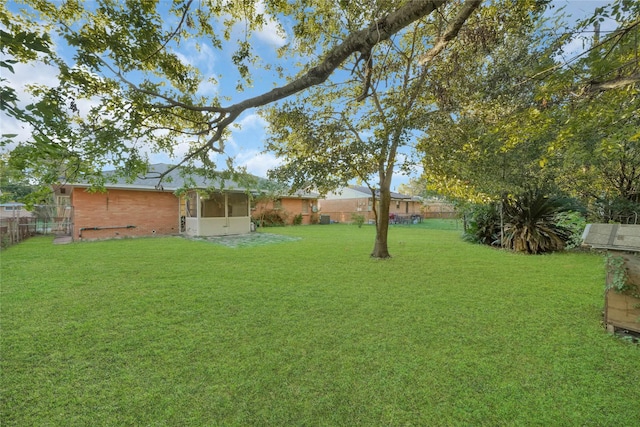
(368, 71)
(172, 35)
(616, 35)
(616, 83)
(360, 41)
(451, 32)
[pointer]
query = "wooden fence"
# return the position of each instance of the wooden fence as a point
(43, 220)
(15, 230)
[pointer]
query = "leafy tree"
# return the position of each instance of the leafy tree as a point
(335, 133)
(268, 193)
(126, 91)
(531, 116)
(598, 144)
(338, 132)
(490, 130)
(17, 44)
(13, 187)
(416, 187)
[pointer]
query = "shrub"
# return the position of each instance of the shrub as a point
(297, 220)
(271, 218)
(531, 222)
(484, 224)
(357, 219)
(616, 210)
(575, 222)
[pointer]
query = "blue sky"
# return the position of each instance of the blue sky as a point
(245, 144)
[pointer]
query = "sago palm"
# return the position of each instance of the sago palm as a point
(530, 222)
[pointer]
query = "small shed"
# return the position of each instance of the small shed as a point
(622, 296)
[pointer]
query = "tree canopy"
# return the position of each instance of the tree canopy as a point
(340, 130)
(537, 116)
(481, 92)
(125, 90)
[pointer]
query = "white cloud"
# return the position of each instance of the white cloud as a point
(208, 88)
(25, 74)
(197, 54)
(257, 162)
(252, 121)
(204, 58)
(272, 32)
(246, 141)
(576, 11)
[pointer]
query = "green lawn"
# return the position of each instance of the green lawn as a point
(169, 331)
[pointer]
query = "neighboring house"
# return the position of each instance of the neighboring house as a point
(16, 223)
(288, 207)
(14, 210)
(43, 218)
(142, 208)
(355, 199)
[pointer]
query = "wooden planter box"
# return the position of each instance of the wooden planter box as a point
(622, 309)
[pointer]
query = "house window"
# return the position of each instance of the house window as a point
(406, 209)
(277, 204)
(12, 208)
(238, 204)
(305, 207)
(213, 206)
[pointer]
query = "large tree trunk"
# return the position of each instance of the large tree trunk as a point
(380, 248)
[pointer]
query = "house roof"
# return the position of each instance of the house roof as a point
(367, 191)
(175, 179)
(305, 195)
(180, 178)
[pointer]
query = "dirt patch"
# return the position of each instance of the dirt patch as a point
(246, 240)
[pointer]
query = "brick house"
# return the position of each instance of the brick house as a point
(356, 199)
(142, 208)
(302, 204)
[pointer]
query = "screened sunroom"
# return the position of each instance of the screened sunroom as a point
(215, 213)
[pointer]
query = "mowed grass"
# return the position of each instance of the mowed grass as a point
(173, 332)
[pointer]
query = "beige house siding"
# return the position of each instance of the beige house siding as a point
(14, 210)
